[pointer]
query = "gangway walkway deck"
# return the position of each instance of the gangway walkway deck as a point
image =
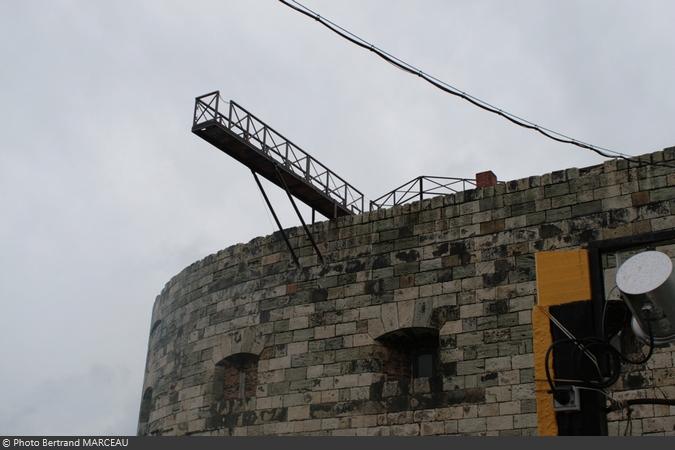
(243, 136)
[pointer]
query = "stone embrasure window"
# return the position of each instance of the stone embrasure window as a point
(424, 362)
(146, 406)
(239, 376)
(411, 353)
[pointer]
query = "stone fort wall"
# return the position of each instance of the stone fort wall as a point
(245, 343)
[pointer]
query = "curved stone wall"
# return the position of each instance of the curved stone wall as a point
(461, 266)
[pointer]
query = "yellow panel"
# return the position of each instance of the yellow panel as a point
(562, 277)
(546, 422)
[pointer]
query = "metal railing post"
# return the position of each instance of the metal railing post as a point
(229, 116)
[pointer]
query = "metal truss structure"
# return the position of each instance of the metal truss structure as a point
(240, 134)
(246, 138)
(420, 188)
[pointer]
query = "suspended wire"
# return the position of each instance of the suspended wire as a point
(446, 87)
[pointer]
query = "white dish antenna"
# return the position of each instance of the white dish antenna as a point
(647, 284)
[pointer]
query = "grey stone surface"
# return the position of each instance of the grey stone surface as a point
(462, 264)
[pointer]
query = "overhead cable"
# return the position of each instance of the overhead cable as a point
(442, 85)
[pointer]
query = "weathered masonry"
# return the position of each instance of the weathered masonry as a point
(428, 318)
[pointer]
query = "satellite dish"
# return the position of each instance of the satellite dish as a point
(647, 284)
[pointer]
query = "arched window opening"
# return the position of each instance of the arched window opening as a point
(411, 353)
(239, 376)
(154, 327)
(146, 406)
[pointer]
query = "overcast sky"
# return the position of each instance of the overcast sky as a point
(105, 194)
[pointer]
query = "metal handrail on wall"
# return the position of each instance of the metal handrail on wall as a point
(417, 188)
(263, 138)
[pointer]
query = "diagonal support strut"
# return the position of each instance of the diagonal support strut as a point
(276, 219)
(297, 211)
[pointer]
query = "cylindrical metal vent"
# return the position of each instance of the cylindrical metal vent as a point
(647, 284)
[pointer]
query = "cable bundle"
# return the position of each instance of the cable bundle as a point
(592, 348)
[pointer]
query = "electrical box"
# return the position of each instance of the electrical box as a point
(566, 398)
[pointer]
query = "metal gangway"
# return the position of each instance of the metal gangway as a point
(246, 138)
(235, 131)
(238, 133)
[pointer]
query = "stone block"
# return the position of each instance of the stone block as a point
(498, 364)
(324, 332)
(499, 423)
(472, 425)
(390, 317)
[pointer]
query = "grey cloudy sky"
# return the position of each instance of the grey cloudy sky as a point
(105, 194)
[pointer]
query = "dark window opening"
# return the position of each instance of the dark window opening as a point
(424, 363)
(239, 376)
(410, 353)
(155, 326)
(146, 406)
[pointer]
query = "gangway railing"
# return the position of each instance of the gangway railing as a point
(275, 147)
(420, 188)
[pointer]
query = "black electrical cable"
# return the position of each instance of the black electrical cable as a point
(614, 363)
(604, 348)
(603, 320)
(629, 422)
(640, 401)
(651, 347)
(583, 345)
(402, 65)
(649, 333)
